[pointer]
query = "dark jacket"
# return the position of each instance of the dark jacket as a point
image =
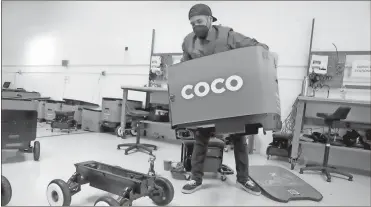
(219, 39)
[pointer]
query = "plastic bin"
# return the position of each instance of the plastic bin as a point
(41, 110)
(91, 119)
(51, 106)
(111, 110)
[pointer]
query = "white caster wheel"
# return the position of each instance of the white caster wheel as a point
(133, 132)
(119, 132)
(58, 193)
(106, 201)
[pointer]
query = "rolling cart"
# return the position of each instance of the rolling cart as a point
(64, 120)
(77, 106)
(50, 107)
(213, 161)
(111, 115)
(19, 123)
(127, 184)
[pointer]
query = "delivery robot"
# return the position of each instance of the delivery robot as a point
(234, 92)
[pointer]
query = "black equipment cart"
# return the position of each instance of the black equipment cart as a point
(19, 124)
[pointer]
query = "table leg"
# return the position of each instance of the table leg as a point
(123, 109)
(297, 131)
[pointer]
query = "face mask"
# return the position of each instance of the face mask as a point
(201, 31)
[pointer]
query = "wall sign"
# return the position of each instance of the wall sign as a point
(318, 64)
(357, 70)
(361, 69)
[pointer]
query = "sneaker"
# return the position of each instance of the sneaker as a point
(250, 187)
(191, 186)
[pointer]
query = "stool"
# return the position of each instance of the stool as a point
(137, 116)
(340, 114)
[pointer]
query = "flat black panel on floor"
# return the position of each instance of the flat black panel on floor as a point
(282, 185)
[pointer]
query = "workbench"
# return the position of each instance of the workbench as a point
(358, 118)
(157, 96)
(14, 93)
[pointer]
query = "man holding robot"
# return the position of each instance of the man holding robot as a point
(207, 39)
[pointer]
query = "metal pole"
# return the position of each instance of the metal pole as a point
(310, 46)
(150, 65)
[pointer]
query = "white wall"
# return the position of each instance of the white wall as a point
(36, 36)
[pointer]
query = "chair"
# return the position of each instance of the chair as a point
(137, 117)
(340, 114)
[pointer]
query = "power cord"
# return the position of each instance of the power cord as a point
(339, 67)
(64, 86)
(99, 88)
(289, 123)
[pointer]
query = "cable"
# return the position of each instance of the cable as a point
(337, 53)
(99, 89)
(64, 86)
(289, 123)
(339, 69)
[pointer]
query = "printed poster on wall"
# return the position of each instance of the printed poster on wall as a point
(360, 69)
(357, 70)
(318, 64)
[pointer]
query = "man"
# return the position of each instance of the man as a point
(207, 39)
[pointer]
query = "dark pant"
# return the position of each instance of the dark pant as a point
(202, 137)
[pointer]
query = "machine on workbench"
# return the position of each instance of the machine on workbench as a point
(348, 73)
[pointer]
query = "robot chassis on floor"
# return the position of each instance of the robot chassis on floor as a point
(128, 185)
(6, 191)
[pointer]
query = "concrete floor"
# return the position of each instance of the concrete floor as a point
(29, 179)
